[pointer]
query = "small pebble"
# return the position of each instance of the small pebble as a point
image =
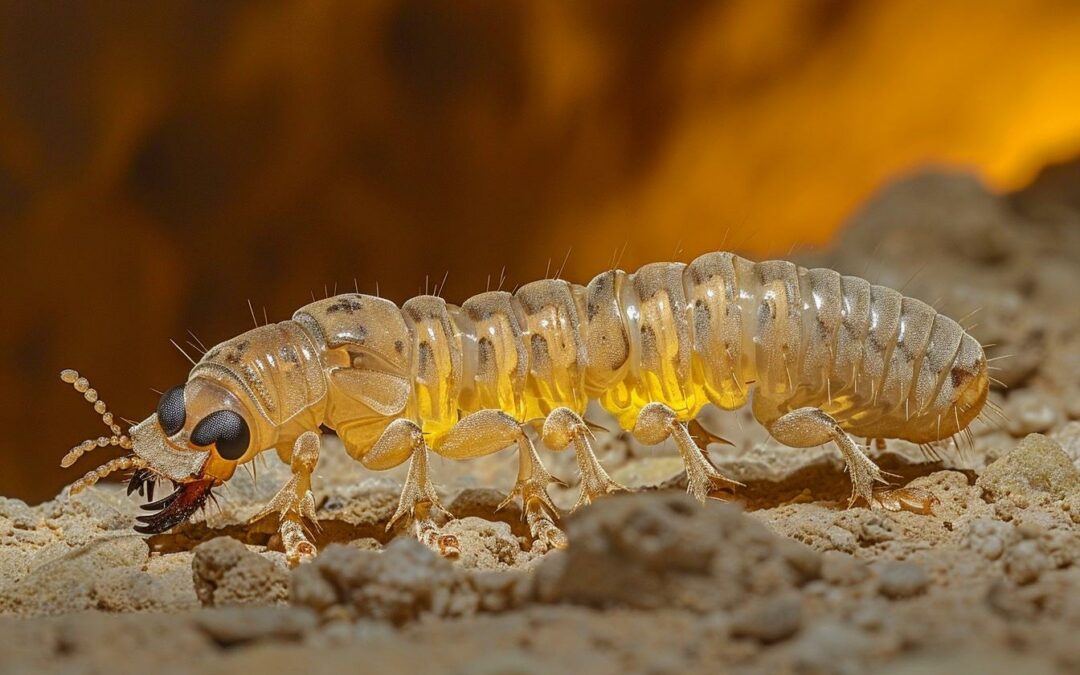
(871, 615)
(988, 537)
(901, 580)
(1025, 562)
(770, 620)
(1072, 404)
(841, 569)
(237, 625)
(831, 647)
(225, 572)
(1028, 413)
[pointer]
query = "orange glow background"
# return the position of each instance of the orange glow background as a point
(161, 164)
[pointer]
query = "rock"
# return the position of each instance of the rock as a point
(989, 537)
(127, 642)
(1037, 464)
(1030, 412)
(1025, 562)
(403, 583)
(1072, 403)
(17, 514)
(128, 589)
(655, 550)
(229, 626)
(841, 569)
(1056, 596)
(769, 621)
(1036, 549)
(225, 573)
(897, 580)
(1068, 437)
(830, 647)
(487, 544)
(483, 502)
(78, 579)
(872, 614)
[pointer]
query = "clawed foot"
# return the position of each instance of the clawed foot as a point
(298, 548)
(595, 481)
(430, 533)
(703, 481)
(290, 500)
(657, 422)
(542, 526)
(533, 488)
(417, 490)
(420, 502)
(409, 504)
(564, 427)
(293, 508)
(864, 473)
(536, 506)
(428, 530)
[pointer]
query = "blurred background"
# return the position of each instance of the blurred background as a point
(163, 163)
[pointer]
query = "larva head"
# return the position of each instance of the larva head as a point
(195, 439)
(200, 431)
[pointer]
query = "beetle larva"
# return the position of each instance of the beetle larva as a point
(823, 357)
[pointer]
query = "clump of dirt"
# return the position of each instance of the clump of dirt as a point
(403, 583)
(657, 550)
(789, 581)
(225, 572)
(1037, 465)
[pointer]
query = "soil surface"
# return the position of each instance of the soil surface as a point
(785, 579)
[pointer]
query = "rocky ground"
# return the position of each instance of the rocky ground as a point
(787, 581)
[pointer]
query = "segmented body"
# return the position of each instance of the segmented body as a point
(720, 330)
(818, 355)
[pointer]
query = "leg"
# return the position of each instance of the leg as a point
(488, 431)
(402, 440)
(807, 427)
(294, 502)
(655, 423)
(563, 427)
(536, 506)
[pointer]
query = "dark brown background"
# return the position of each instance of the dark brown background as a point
(162, 163)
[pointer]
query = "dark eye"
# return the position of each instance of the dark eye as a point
(226, 430)
(170, 410)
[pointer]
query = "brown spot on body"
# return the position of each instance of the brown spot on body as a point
(234, 353)
(766, 312)
(347, 305)
(541, 361)
(427, 367)
(958, 376)
(485, 358)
